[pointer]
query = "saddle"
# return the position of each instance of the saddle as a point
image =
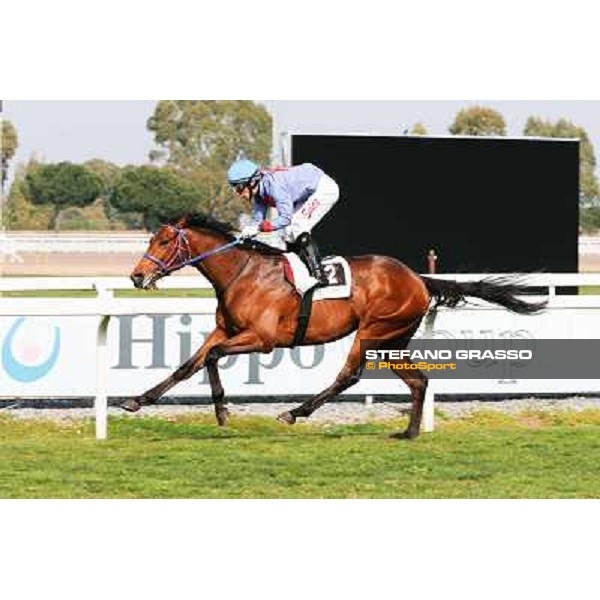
(336, 269)
(296, 273)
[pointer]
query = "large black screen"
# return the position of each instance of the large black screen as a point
(483, 205)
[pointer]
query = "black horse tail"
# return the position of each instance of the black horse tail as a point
(497, 290)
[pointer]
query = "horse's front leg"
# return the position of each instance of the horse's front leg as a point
(185, 371)
(218, 394)
(245, 342)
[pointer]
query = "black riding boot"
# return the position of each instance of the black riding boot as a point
(309, 253)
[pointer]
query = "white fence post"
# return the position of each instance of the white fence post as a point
(428, 423)
(101, 399)
(429, 410)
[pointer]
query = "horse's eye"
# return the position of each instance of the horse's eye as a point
(163, 243)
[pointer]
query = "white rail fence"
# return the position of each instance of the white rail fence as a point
(15, 243)
(150, 336)
(589, 245)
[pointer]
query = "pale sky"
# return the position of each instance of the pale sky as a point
(116, 130)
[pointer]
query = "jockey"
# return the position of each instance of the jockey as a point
(302, 195)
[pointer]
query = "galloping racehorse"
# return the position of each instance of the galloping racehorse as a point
(258, 309)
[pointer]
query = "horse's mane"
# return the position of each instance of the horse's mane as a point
(204, 221)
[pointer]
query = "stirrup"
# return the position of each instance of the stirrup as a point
(322, 279)
(309, 253)
(318, 275)
(314, 268)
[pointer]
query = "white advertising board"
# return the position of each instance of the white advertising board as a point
(56, 356)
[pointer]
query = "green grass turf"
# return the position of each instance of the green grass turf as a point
(589, 290)
(534, 455)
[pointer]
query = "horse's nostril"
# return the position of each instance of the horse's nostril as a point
(137, 279)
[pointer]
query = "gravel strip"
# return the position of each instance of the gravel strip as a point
(335, 412)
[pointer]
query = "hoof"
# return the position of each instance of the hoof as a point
(404, 435)
(131, 405)
(222, 416)
(287, 417)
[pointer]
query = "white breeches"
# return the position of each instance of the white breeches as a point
(307, 215)
(314, 209)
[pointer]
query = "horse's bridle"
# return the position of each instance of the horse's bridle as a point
(181, 255)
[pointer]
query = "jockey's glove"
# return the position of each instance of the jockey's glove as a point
(249, 231)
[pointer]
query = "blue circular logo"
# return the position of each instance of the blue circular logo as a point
(26, 373)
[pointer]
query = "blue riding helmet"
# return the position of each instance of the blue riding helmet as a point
(242, 172)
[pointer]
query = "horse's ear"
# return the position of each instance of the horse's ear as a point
(181, 223)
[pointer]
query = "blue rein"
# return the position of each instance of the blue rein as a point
(183, 245)
(201, 257)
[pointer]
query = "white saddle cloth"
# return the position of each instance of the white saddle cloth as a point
(336, 269)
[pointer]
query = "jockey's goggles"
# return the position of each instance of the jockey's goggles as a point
(241, 186)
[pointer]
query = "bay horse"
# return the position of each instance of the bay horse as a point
(258, 309)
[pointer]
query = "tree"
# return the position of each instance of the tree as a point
(61, 186)
(588, 182)
(9, 143)
(193, 132)
(159, 194)
(478, 120)
(200, 139)
(20, 213)
(418, 129)
(589, 219)
(107, 172)
(102, 214)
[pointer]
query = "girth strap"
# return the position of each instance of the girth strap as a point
(303, 317)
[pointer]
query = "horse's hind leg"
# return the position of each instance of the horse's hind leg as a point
(308, 408)
(417, 384)
(347, 377)
(379, 335)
